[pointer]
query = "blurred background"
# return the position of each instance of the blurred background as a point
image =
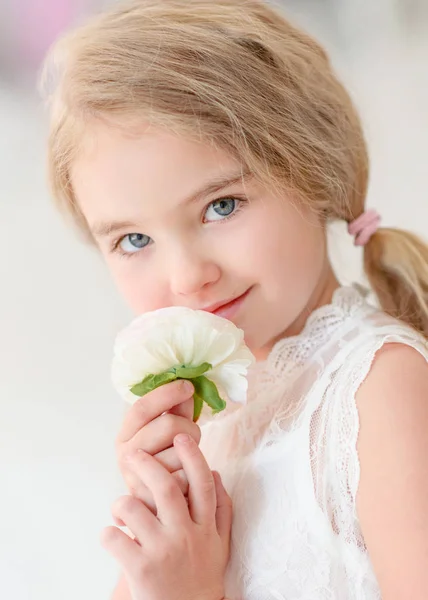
(59, 312)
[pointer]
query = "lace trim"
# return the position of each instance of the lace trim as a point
(292, 353)
(289, 355)
(346, 302)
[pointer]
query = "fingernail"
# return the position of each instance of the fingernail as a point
(187, 387)
(183, 438)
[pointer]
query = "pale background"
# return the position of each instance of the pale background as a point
(59, 313)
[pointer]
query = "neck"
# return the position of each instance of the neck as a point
(322, 295)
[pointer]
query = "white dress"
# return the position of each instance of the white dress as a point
(289, 459)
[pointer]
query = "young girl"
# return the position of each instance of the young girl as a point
(204, 146)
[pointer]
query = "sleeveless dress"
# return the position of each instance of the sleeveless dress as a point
(289, 459)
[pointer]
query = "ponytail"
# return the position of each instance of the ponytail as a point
(396, 264)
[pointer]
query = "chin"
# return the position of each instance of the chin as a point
(260, 347)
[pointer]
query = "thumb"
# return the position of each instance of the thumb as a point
(224, 511)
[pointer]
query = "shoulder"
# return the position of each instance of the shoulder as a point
(392, 500)
(396, 388)
(398, 371)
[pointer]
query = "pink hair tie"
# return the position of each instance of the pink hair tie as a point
(364, 227)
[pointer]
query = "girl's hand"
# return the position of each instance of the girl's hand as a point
(182, 553)
(146, 427)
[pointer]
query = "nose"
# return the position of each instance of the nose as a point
(190, 272)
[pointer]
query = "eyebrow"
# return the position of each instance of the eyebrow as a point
(104, 229)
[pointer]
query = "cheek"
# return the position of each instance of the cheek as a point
(140, 288)
(302, 254)
(306, 250)
(286, 256)
(280, 245)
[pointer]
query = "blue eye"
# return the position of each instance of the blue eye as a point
(134, 242)
(221, 209)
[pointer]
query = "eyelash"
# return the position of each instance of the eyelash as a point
(242, 200)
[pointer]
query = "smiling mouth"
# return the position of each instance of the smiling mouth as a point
(228, 306)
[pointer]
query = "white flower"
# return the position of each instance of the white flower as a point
(173, 337)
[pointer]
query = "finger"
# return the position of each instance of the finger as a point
(122, 548)
(183, 484)
(139, 490)
(158, 435)
(169, 459)
(170, 502)
(153, 405)
(202, 496)
(224, 511)
(185, 409)
(137, 518)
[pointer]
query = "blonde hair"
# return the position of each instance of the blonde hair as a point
(237, 74)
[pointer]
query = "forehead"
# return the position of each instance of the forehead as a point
(149, 167)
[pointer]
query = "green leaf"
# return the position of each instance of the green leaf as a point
(192, 372)
(199, 402)
(151, 382)
(207, 390)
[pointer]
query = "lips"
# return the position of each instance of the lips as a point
(225, 307)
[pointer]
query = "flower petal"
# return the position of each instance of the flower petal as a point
(176, 336)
